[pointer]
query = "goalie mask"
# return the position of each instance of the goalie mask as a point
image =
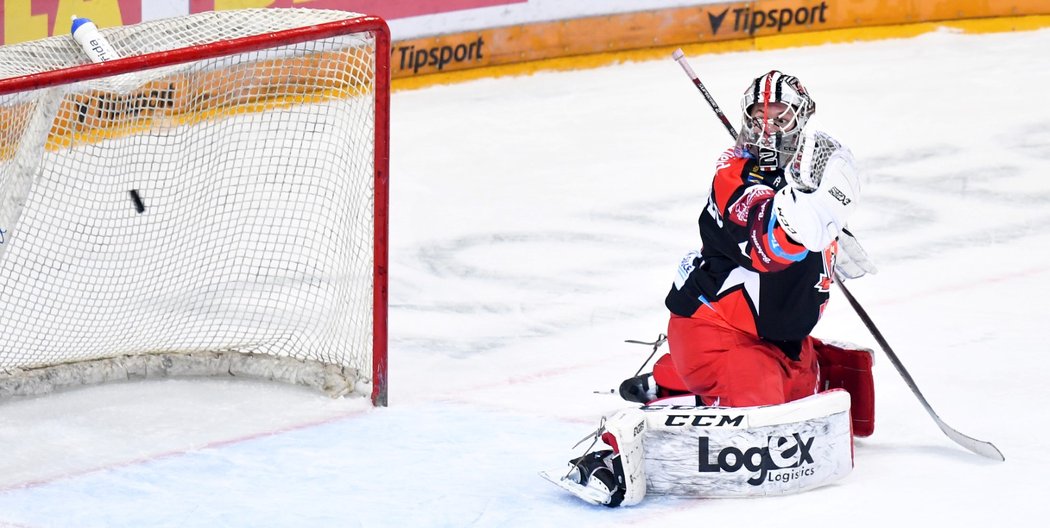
(776, 108)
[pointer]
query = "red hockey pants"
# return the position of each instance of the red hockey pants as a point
(731, 368)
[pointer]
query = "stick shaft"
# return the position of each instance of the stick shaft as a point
(679, 57)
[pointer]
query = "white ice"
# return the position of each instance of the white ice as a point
(535, 225)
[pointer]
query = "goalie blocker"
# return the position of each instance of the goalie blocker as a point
(672, 447)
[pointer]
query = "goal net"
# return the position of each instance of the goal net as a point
(213, 202)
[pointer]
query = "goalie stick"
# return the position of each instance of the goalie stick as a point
(979, 447)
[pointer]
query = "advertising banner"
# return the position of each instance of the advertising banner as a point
(24, 20)
(438, 36)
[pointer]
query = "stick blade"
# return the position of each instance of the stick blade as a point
(979, 447)
(678, 54)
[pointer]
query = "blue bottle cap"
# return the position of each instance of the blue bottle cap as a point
(77, 22)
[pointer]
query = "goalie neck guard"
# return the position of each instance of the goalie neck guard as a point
(774, 137)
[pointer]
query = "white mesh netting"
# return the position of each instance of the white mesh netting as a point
(217, 206)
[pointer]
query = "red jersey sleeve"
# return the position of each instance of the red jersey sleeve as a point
(744, 198)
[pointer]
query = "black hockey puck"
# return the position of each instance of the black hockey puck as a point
(137, 200)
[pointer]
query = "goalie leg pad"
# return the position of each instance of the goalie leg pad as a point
(697, 451)
(748, 451)
(847, 366)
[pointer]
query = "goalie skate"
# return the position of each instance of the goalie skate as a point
(613, 474)
(591, 495)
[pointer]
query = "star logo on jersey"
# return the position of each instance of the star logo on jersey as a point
(824, 284)
(825, 280)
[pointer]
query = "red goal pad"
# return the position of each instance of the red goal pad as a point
(212, 202)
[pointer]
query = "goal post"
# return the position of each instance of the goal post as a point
(212, 202)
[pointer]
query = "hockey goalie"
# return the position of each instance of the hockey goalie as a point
(747, 402)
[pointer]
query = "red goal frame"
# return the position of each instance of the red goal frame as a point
(378, 27)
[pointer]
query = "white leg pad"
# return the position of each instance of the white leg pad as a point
(748, 451)
(673, 447)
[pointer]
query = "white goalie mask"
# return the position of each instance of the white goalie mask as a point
(774, 137)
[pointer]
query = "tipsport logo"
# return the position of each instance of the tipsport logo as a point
(787, 457)
(411, 57)
(748, 20)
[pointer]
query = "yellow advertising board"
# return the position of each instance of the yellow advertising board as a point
(732, 25)
(741, 23)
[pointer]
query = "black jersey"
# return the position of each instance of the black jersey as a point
(749, 271)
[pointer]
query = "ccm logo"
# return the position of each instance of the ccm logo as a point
(703, 420)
